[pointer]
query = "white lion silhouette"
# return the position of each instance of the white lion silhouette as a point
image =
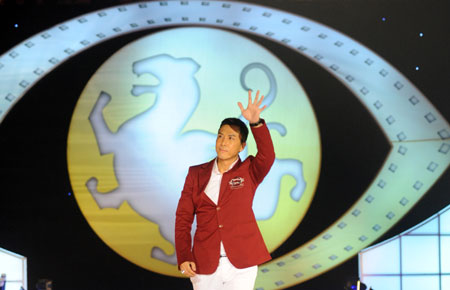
(151, 155)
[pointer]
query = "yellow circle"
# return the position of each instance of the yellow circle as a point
(154, 104)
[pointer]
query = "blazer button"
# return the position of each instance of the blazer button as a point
(218, 208)
(220, 226)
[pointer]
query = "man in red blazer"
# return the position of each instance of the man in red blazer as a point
(228, 245)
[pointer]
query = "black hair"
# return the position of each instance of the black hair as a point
(243, 130)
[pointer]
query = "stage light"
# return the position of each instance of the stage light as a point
(383, 19)
(417, 67)
(16, 25)
(355, 285)
(421, 34)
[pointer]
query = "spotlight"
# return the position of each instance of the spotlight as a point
(354, 284)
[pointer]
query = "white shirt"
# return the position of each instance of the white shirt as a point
(212, 190)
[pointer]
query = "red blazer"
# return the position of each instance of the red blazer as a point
(232, 220)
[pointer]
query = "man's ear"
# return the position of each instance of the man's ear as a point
(243, 146)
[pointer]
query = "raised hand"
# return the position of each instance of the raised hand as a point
(253, 110)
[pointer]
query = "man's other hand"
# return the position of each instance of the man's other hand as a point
(188, 268)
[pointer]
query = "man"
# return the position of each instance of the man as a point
(228, 245)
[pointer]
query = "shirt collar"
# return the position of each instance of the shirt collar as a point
(216, 167)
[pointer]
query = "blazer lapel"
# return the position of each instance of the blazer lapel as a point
(204, 175)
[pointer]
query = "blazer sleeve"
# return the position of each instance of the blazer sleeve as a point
(265, 157)
(183, 221)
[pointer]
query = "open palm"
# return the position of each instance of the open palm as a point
(253, 110)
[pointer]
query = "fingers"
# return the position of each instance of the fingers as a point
(260, 101)
(256, 97)
(193, 266)
(257, 101)
(253, 104)
(188, 269)
(241, 107)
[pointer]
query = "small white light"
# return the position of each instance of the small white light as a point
(16, 25)
(417, 68)
(421, 34)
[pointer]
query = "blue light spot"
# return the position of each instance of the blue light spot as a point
(417, 68)
(16, 25)
(70, 194)
(420, 34)
(383, 19)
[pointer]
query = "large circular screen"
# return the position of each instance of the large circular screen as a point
(153, 109)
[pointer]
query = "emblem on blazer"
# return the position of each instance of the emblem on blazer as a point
(236, 182)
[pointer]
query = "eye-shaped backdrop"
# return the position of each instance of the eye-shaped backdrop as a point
(434, 166)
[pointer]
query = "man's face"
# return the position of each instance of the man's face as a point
(228, 143)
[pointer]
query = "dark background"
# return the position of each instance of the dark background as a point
(40, 218)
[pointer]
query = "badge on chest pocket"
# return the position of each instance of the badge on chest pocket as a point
(236, 183)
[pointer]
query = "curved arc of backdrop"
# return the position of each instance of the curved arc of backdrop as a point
(417, 132)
